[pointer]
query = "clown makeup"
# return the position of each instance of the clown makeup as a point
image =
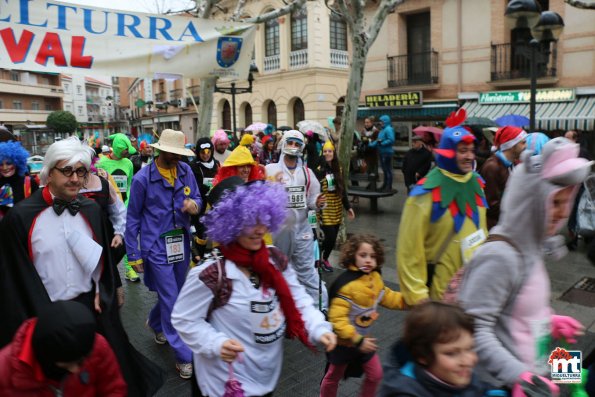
(7, 169)
(365, 258)
(244, 171)
(251, 238)
(465, 157)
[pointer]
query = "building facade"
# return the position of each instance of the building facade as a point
(451, 53)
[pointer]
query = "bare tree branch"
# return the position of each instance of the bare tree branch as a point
(378, 19)
(294, 5)
(204, 8)
(238, 11)
(586, 5)
(347, 17)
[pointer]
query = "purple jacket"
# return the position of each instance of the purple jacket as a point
(150, 211)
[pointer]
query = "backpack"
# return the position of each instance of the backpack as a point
(214, 276)
(451, 293)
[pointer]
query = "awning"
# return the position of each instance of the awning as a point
(429, 111)
(577, 115)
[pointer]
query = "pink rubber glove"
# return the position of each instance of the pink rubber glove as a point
(535, 385)
(566, 327)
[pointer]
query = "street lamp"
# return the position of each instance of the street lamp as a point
(545, 27)
(233, 90)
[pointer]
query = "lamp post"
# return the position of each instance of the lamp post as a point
(545, 27)
(233, 90)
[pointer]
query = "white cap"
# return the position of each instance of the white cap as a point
(105, 149)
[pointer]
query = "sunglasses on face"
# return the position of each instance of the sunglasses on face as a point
(81, 172)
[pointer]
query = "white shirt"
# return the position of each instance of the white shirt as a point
(66, 269)
(221, 157)
(249, 316)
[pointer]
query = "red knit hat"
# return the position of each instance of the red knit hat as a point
(508, 136)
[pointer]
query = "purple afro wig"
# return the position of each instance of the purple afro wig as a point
(16, 154)
(244, 207)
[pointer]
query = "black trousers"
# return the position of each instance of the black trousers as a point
(330, 238)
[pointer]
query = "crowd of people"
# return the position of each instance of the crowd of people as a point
(229, 242)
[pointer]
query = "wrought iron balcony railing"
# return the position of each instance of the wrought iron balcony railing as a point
(513, 61)
(413, 69)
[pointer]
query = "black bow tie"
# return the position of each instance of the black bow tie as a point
(60, 205)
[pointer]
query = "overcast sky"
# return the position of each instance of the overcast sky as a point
(150, 6)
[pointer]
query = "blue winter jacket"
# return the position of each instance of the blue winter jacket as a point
(386, 137)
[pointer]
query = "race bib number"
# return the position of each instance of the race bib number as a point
(174, 248)
(121, 182)
(296, 197)
(470, 243)
(268, 322)
(208, 182)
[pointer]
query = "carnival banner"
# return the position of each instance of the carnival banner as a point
(55, 37)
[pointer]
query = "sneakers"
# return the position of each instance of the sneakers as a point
(185, 370)
(131, 275)
(326, 266)
(160, 338)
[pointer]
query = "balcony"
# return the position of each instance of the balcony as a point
(272, 63)
(21, 88)
(513, 61)
(413, 69)
(339, 59)
(298, 59)
(160, 97)
(175, 94)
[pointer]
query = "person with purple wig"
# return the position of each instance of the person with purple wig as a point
(15, 184)
(246, 300)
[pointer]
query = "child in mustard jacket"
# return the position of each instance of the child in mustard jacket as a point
(354, 297)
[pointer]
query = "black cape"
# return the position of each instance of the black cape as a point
(23, 295)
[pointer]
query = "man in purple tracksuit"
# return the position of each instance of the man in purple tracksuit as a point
(163, 196)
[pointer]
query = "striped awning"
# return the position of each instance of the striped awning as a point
(577, 115)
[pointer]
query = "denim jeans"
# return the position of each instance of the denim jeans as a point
(386, 162)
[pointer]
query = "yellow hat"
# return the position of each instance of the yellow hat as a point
(240, 156)
(328, 145)
(247, 140)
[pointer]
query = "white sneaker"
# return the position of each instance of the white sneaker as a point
(185, 370)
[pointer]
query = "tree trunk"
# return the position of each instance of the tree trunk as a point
(205, 108)
(354, 89)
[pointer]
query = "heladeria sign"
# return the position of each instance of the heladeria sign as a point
(48, 36)
(400, 99)
(544, 95)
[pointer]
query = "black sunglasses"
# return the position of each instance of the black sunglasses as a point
(81, 172)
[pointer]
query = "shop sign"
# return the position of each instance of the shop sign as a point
(543, 95)
(399, 99)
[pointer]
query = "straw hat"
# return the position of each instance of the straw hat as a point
(173, 142)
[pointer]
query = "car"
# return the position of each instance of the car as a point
(35, 164)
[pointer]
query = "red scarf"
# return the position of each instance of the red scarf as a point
(270, 277)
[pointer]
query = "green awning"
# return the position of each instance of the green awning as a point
(437, 111)
(579, 114)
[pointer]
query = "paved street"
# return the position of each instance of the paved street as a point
(302, 370)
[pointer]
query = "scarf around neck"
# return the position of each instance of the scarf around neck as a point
(271, 277)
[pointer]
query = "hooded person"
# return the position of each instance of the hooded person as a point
(60, 350)
(249, 297)
(443, 220)
(205, 168)
(240, 163)
(506, 285)
(15, 184)
(268, 154)
(384, 143)
(221, 142)
(118, 165)
(304, 197)
(509, 143)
